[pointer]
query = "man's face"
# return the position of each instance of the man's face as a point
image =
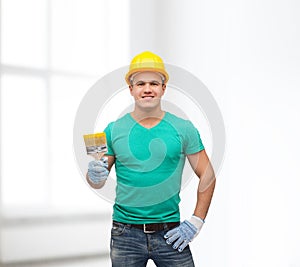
(147, 89)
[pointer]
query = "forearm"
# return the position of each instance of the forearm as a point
(204, 199)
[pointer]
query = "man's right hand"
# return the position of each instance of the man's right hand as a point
(97, 170)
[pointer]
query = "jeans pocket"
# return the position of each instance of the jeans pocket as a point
(117, 229)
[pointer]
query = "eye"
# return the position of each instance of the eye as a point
(154, 84)
(140, 83)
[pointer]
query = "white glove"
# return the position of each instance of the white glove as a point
(97, 171)
(184, 233)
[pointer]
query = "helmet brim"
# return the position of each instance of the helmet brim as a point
(129, 73)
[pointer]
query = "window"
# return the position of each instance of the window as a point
(52, 52)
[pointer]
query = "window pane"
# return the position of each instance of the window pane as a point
(23, 140)
(67, 37)
(23, 30)
(79, 35)
(89, 36)
(68, 187)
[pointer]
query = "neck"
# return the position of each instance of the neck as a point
(148, 118)
(141, 114)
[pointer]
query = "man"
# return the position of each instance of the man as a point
(148, 147)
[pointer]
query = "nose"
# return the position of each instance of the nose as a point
(147, 88)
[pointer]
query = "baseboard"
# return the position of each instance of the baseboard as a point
(54, 238)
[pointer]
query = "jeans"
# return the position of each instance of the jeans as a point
(131, 247)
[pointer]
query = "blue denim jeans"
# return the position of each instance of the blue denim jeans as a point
(131, 247)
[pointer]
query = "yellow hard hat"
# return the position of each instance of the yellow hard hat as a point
(146, 61)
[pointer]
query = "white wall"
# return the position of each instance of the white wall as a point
(247, 53)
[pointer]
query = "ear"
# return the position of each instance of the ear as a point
(164, 87)
(130, 89)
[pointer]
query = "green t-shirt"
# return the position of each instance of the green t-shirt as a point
(149, 165)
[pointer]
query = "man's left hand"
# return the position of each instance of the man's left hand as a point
(184, 233)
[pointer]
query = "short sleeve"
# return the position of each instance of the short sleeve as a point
(192, 140)
(107, 131)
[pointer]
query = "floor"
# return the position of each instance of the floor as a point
(82, 262)
(79, 262)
